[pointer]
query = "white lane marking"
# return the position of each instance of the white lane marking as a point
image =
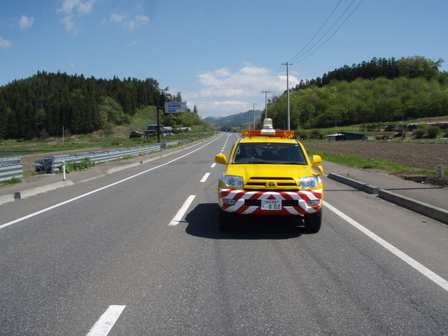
(205, 177)
(97, 190)
(225, 144)
(106, 321)
(403, 256)
(182, 211)
(213, 165)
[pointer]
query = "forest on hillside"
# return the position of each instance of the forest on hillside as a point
(40, 106)
(377, 91)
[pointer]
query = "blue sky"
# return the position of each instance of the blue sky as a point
(220, 55)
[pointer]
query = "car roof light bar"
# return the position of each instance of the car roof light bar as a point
(268, 132)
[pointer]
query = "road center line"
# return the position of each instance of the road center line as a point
(106, 321)
(182, 211)
(205, 177)
(403, 256)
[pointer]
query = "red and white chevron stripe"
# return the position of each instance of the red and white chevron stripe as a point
(239, 196)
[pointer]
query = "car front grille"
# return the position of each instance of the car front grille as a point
(287, 183)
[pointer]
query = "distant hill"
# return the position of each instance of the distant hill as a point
(234, 119)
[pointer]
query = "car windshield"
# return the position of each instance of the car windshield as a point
(269, 153)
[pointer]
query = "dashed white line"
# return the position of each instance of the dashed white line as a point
(18, 220)
(104, 325)
(205, 177)
(403, 256)
(175, 221)
(213, 165)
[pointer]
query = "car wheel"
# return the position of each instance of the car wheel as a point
(225, 220)
(313, 222)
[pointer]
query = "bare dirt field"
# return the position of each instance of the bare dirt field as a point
(415, 155)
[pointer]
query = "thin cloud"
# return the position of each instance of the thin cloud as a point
(137, 21)
(5, 44)
(72, 10)
(69, 7)
(129, 22)
(115, 17)
(25, 22)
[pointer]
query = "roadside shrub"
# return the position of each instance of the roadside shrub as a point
(316, 134)
(432, 132)
(84, 164)
(418, 133)
(302, 134)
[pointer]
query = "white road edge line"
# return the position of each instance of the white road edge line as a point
(205, 177)
(403, 256)
(104, 325)
(2, 226)
(175, 221)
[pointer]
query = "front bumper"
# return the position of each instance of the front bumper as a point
(249, 202)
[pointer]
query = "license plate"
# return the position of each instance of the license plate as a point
(271, 205)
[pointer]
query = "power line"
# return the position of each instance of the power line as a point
(301, 55)
(328, 18)
(305, 57)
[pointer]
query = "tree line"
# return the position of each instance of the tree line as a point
(43, 104)
(410, 67)
(379, 91)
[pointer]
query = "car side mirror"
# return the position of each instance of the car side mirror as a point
(316, 160)
(321, 170)
(221, 158)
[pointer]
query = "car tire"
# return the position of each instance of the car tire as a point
(313, 222)
(225, 221)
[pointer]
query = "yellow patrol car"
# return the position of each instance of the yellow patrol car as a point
(269, 172)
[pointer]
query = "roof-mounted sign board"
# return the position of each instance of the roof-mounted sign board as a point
(176, 107)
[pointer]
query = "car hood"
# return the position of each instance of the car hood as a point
(248, 171)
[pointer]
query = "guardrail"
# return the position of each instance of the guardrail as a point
(49, 163)
(10, 168)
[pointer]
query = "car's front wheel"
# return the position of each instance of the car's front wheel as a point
(313, 221)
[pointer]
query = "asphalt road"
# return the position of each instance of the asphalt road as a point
(139, 252)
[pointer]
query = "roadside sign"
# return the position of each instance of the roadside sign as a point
(176, 107)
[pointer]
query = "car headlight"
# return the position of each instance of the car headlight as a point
(232, 181)
(309, 182)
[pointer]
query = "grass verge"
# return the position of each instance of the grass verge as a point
(14, 180)
(362, 163)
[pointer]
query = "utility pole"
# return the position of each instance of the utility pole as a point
(287, 92)
(265, 103)
(253, 110)
(161, 106)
